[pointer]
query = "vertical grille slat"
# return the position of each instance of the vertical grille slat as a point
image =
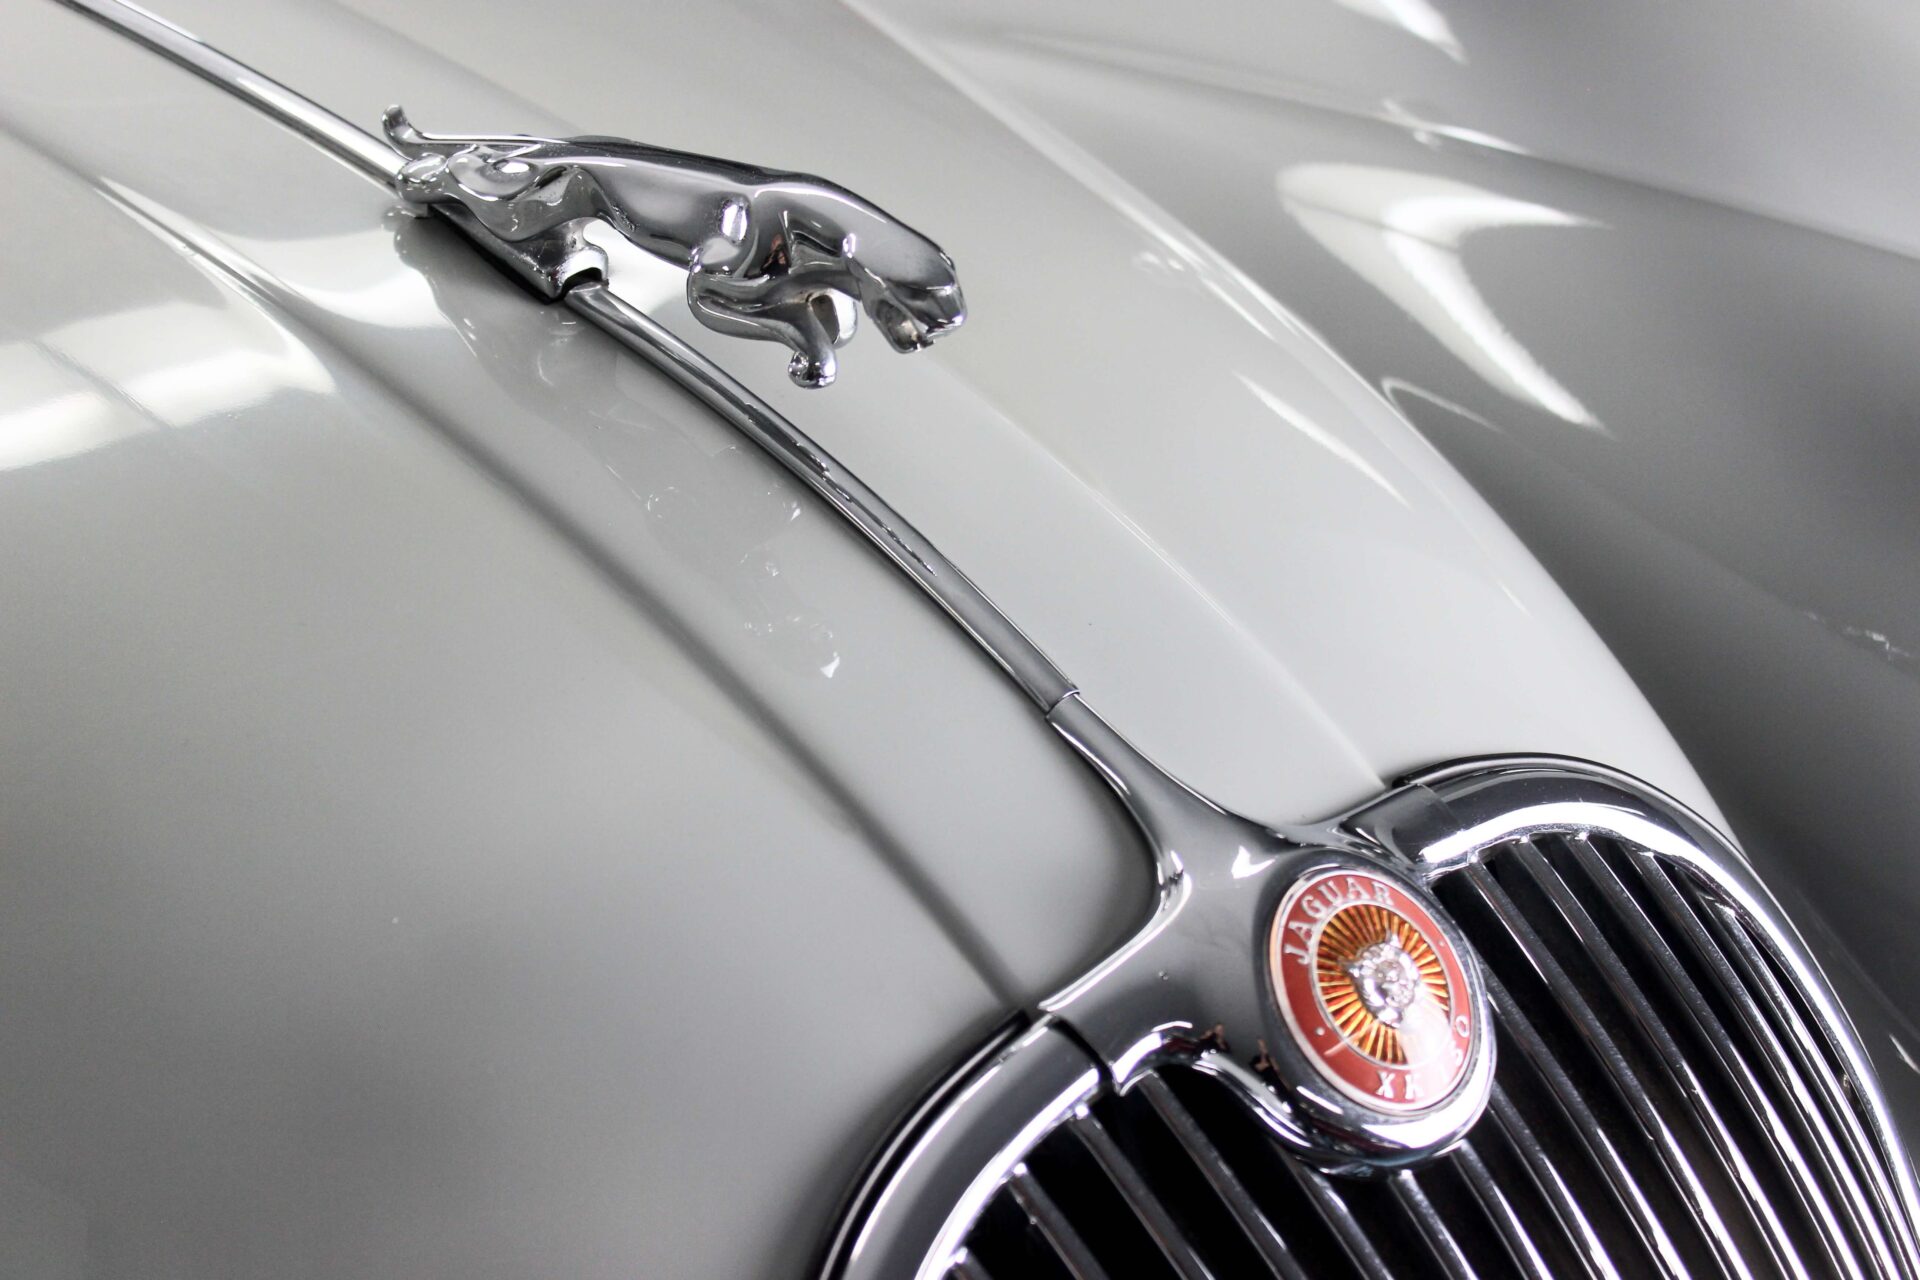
(1593, 1256)
(1140, 1197)
(1630, 1087)
(1054, 1226)
(1812, 1178)
(1811, 1057)
(968, 1267)
(1220, 1176)
(1589, 1135)
(1668, 1057)
(1444, 1250)
(1500, 1211)
(1789, 1049)
(1346, 1226)
(1665, 1104)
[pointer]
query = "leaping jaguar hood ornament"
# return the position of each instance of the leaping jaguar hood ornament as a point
(781, 257)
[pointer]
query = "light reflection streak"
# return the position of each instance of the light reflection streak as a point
(104, 378)
(1402, 232)
(352, 274)
(1418, 18)
(1321, 436)
(57, 427)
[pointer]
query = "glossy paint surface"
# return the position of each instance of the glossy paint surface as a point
(392, 885)
(354, 866)
(1802, 114)
(1698, 411)
(384, 894)
(673, 506)
(349, 587)
(1240, 554)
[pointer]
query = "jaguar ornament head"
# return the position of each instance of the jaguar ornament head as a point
(773, 256)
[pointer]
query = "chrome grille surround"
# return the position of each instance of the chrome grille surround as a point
(1677, 1092)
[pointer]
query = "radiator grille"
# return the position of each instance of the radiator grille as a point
(1667, 1102)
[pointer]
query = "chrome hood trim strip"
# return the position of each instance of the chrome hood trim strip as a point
(1025, 664)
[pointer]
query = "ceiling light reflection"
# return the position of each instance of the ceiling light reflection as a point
(1402, 232)
(1418, 18)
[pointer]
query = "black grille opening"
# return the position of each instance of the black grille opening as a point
(1179, 1182)
(1536, 1193)
(1273, 1181)
(1666, 1102)
(1005, 1243)
(1115, 1234)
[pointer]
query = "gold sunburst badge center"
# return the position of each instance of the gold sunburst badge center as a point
(1373, 971)
(1372, 989)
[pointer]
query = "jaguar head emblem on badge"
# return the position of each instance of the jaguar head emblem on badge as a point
(777, 256)
(1372, 990)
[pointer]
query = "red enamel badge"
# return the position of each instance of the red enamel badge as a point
(1372, 990)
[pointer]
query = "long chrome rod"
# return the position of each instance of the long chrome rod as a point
(906, 546)
(886, 528)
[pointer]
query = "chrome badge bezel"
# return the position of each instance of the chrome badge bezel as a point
(1175, 994)
(1318, 1050)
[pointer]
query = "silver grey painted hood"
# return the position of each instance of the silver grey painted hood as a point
(466, 814)
(426, 861)
(1796, 114)
(1245, 558)
(1660, 316)
(384, 893)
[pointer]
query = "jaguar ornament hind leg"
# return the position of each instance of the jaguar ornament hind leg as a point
(803, 298)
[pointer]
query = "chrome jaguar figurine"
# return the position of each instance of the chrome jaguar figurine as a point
(775, 256)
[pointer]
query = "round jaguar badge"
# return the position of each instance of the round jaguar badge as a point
(1372, 989)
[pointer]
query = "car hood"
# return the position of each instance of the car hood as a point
(467, 812)
(1803, 118)
(1246, 559)
(1648, 308)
